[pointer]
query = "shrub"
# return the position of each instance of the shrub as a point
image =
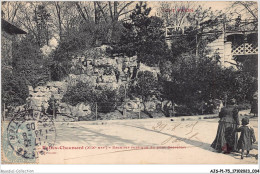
(82, 92)
(145, 86)
(28, 61)
(183, 110)
(243, 106)
(58, 70)
(106, 99)
(14, 89)
(193, 80)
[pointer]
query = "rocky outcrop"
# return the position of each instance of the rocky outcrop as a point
(134, 105)
(80, 109)
(40, 95)
(98, 70)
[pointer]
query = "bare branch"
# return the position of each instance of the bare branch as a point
(80, 11)
(110, 9)
(15, 11)
(129, 3)
(126, 12)
(86, 12)
(102, 11)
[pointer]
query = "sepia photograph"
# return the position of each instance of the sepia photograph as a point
(129, 82)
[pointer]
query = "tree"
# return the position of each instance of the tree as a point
(10, 10)
(14, 89)
(175, 18)
(105, 16)
(28, 61)
(248, 64)
(35, 17)
(143, 36)
(248, 9)
(58, 12)
(205, 26)
(116, 9)
(195, 81)
(146, 84)
(25, 19)
(201, 27)
(64, 17)
(42, 17)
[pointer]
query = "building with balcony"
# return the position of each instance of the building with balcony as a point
(235, 41)
(235, 45)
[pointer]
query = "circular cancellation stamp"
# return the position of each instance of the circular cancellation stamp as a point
(27, 132)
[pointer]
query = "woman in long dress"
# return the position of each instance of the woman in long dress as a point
(226, 138)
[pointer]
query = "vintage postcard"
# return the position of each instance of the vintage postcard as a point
(129, 82)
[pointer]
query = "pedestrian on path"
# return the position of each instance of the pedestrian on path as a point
(226, 138)
(247, 137)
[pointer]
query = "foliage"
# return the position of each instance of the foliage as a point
(59, 70)
(247, 9)
(82, 92)
(14, 89)
(28, 62)
(106, 99)
(186, 79)
(186, 44)
(144, 36)
(201, 21)
(146, 84)
(182, 110)
(78, 38)
(248, 64)
(42, 18)
(243, 106)
(245, 86)
(199, 80)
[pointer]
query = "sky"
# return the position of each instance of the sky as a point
(215, 5)
(224, 6)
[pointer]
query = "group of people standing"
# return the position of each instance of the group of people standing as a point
(226, 140)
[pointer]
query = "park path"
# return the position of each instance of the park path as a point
(121, 142)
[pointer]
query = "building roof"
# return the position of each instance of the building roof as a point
(10, 28)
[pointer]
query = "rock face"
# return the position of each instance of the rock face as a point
(133, 105)
(95, 68)
(150, 106)
(137, 105)
(40, 95)
(80, 109)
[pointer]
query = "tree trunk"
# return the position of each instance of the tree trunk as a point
(59, 18)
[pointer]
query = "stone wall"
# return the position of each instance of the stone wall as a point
(40, 95)
(98, 70)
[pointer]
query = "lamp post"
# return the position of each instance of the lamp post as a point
(225, 99)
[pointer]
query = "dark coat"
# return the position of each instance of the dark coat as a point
(226, 138)
(229, 114)
(247, 138)
(254, 107)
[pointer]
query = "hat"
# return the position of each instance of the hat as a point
(245, 121)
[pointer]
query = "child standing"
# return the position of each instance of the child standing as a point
(247, 137)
